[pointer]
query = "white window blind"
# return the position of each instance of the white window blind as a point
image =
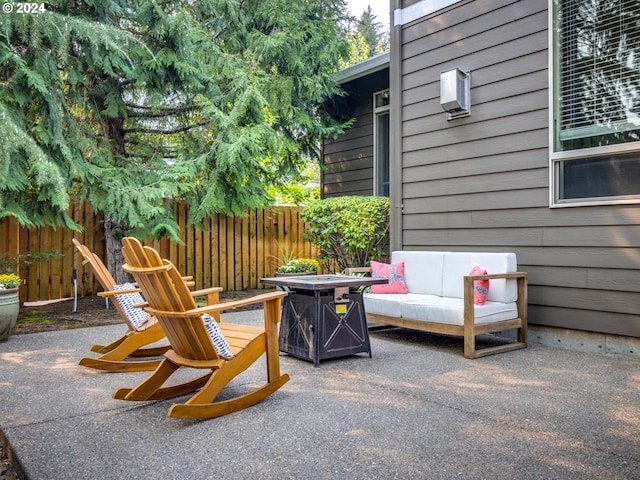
(599, 65)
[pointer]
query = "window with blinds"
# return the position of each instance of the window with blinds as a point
(595, 106)
(381, 106)
(598, 73)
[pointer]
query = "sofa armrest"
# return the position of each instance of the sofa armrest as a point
(490, 276)
(521, 278)
(469, 313)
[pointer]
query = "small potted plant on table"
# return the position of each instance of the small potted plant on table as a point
(298, 266)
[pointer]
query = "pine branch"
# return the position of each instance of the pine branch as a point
(153, 131)
(147, 112)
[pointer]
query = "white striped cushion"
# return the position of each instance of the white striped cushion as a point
(217, 337)
(127, 301)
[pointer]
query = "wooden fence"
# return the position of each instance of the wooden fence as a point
(232, 252)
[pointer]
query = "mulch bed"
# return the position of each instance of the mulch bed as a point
(6, 469)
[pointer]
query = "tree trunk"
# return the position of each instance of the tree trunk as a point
(113, 129)
(114, 232)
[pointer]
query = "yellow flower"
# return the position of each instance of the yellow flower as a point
(8, 281)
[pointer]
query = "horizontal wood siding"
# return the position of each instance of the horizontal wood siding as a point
(482, 182)
(348, 160)
(232, 252)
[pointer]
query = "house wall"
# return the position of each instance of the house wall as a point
(348, 160)
(482, 182)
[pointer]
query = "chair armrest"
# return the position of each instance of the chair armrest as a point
(205, 291)
(213, 298)
(195, 293)
(262, 298)
(111, 293)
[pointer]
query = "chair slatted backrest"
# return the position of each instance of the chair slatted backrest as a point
(166, 292)
(103, 275)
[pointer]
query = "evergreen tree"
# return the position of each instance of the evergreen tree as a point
(133, 104)
(367, 38)
(373, 32)
(359, 50)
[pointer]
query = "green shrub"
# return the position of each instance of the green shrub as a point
(350, 231)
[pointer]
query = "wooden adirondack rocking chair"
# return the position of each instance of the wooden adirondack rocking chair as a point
(192, 345)
(119, 355)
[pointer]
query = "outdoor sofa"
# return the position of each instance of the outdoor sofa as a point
(440, 297)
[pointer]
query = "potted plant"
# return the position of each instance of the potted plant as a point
(298, 266)
(9, 303)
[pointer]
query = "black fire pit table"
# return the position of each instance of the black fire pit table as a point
(323, 316)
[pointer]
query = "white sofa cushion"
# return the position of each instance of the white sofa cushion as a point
(422, 270)
(450, 311)
(459, 264)
(388, 304)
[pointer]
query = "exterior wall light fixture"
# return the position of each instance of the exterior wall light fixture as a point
(455, 93)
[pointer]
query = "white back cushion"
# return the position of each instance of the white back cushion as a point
(422, 270)
(459, 264)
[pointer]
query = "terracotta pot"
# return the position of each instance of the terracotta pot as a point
(9, 308)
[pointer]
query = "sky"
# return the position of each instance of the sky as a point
(380, 9)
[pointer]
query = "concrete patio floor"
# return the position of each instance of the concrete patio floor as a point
(416, 410)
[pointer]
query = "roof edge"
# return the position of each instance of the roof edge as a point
(364, 68)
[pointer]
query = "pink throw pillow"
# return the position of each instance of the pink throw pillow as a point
(480, 287)
(395, 274)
